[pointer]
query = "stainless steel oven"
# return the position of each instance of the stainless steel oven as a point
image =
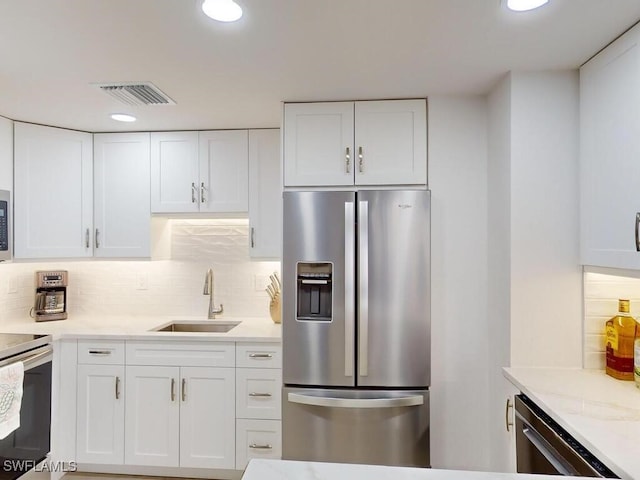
(544, 447)
(30, 443)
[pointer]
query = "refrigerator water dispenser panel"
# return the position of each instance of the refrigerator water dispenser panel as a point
(315, 291)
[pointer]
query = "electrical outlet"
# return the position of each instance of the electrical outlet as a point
(142, 281)
(260, 282)
(12, 284)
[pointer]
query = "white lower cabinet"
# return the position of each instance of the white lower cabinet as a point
(100, 415)
(257, 439)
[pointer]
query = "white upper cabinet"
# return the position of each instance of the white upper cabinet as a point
(199, 171)
(318, 144)
(265, 197)
(53, 175)
(369, 143)
(174, 172)
(224, 170)
(122, 195)
(609, 153)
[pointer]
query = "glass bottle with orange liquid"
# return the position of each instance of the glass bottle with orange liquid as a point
(620, 336)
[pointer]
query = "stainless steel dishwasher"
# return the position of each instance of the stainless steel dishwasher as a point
(544, 447)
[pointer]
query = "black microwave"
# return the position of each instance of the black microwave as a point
(5, 225)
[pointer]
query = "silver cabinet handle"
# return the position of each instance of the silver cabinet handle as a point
(202, 199)
(193, 192)
(349, 288)
(637, 228)
(260, 355)
(117, 388)
(86, 239)
(184, 389)
(347, 160)
(173, 389)
(508, 423)
(257, 446)
(257, 394)
(100, 352)
(333, 402)
(360, 160)
(97, 238)
(253, 242)
(363, 294)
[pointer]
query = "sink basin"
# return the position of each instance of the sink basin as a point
(212, 326)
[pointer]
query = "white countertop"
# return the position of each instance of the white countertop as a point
(601, 412)
(136, 327)
(260, 469)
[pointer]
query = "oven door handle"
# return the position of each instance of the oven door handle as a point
(32, 358)
(548, 451)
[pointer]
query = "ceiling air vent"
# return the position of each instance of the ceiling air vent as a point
(136, 93)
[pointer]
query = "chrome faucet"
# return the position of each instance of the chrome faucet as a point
(208, 290)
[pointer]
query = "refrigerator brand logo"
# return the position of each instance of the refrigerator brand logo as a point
(404, 205)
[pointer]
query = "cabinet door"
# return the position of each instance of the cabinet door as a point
(174, 172)
(224, 171)
(152, 416)
(503, 437)
(122, 195)
(100, 436)
(257, 439)
(53, 192)
(207, 417)
(258, 393)
(265, 194)
(318, 144)
(391, 142)
(609, 151)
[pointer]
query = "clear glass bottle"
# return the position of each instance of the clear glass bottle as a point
(620, 338)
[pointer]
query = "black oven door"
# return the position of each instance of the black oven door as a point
(28, 445)
(544, 447)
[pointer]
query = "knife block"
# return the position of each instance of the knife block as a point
(275, 310)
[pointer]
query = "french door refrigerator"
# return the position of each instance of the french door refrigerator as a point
(356, 326)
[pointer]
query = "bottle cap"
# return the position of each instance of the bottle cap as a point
(623, 306)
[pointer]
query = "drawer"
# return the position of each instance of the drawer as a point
(259, 355)
(101, 352)
(181, 354)
(257, 439)
(258, 393)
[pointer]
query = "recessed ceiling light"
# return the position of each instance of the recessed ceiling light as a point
(123, 117)
(222, 10)
(524, 5)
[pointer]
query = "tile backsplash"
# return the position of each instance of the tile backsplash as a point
(601, 294)
(156, 287)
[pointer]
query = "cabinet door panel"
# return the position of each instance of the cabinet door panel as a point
(224, 171)
(258, 393)
(257, 439)
(174, 172)
(390, 142)
(265, 194)
(610, 148)
(207, 417)
(152, 416)
(100, 414)
(122, 195)
(316, 139)
(53, 192)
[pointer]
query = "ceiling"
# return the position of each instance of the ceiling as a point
(236, 75)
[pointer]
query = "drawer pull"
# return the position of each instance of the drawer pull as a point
(260, 355)
(257, 446)
(117, 388)
(257, 394)
(100, 352)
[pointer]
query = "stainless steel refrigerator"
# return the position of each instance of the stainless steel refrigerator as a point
(356, 326)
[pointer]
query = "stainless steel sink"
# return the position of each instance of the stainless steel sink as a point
(214, 326)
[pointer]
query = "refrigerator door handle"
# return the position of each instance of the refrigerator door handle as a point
(363, 296)
(333, 402)
(349, 288)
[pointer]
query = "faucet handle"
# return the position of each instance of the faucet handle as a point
(218, 311)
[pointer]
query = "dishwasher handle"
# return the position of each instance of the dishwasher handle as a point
(548, 452)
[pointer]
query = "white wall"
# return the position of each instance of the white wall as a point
(458, 181)
(546, 279)
(174, 287)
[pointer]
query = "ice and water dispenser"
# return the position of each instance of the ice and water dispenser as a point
(314, 283)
